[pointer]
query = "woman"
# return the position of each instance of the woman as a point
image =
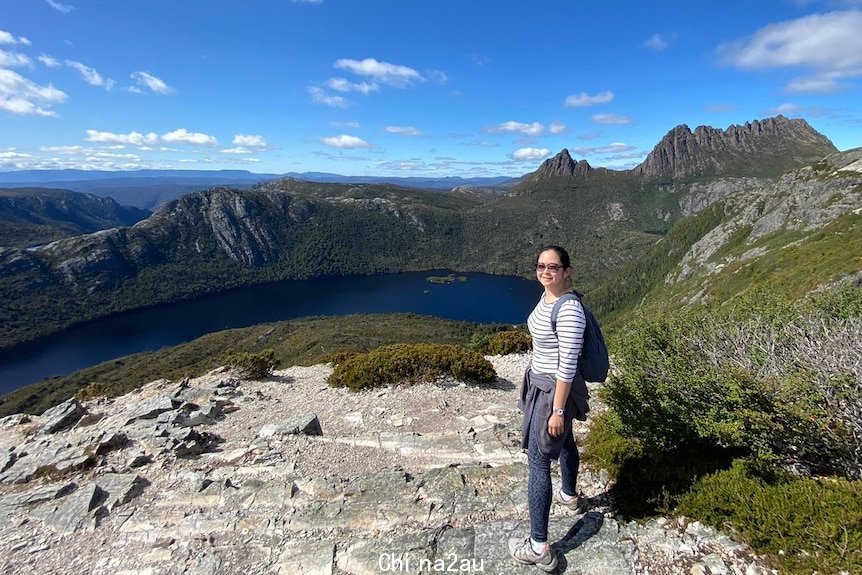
(553, 394)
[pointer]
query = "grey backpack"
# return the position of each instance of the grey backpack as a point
(593, 362)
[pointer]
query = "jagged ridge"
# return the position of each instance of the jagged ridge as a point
(760, 148)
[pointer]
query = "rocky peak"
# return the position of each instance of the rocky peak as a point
(760, 148)
(561, 165)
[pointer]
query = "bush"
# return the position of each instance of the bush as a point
(815, 524)
(606, 447)
(778, 379)
(94, 389)
(409, 363)
(253, 365)
(506, 342)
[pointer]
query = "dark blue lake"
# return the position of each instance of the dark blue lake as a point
(482, 298)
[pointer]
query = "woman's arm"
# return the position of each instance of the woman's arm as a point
(570, 339)
(556, 424)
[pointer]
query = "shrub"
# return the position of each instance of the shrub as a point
(606, 447)
(816, 524)
(408, 363)
(94, 389)
(506, 342)
(253, 365)
(779, 379)
(339, 356)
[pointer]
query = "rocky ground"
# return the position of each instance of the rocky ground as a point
(289, 476)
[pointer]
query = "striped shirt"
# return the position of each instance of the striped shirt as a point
(557, 354)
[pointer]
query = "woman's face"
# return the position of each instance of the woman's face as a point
(550, 271)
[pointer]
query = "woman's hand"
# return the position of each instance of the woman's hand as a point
(555, 425)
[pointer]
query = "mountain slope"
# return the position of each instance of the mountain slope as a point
(33, 216)
(792, 235)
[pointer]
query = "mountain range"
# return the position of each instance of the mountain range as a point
(703, 203)
(148, 189)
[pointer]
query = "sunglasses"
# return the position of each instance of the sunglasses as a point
(553, 268)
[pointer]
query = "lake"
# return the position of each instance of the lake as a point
(482, 298)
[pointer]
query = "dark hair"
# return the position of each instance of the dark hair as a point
(561, 252)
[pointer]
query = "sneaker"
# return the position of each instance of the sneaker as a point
(522, 552)
(576, 503)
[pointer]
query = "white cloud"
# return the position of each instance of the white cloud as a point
(90, 75)
(829, 45)
(150, 82)
(19, 95)
(583, 99)
(656, 42)
(391, 74)
(613, 148)
(249, 141)
(49, 61)
(60, 7)
(13, 154)
(403, 130)
(132, 138)
(9, 59)
(345, 141)
(319, 96)
(7, 38)
(108, 155)
(534, 129)
(237, 150)
(437, 76)
(611, 119)
(530, 154)
(62, 149)
(183, 136)
(788, 109)
(822, 83)
(343, 85)
(557, 128)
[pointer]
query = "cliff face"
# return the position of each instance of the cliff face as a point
(760, 148)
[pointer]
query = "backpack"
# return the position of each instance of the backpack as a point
(593, 362)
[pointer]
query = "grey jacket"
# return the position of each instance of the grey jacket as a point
(537, 390)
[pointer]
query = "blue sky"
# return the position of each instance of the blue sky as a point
(409, 87)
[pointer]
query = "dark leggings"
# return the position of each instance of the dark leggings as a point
(539, 493)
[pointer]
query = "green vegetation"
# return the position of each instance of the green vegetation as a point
(811, 525)
(501, 342)
(252, 365)
(408, 363)
(447, 279)
(626, 287)
(711, 403)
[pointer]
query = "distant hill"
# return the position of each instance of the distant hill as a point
(149, 189)
(35, 216)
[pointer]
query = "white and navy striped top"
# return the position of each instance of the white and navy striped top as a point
(557, 354)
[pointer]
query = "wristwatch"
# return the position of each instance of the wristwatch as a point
(559, 411)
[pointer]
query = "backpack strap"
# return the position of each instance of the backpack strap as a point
(557, 304)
